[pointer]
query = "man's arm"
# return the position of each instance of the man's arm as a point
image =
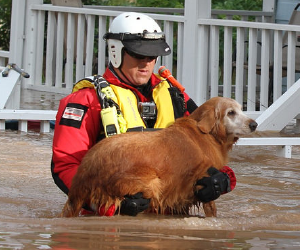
(76, 130)
(217, 183)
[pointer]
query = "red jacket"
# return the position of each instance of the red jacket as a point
(77, 128)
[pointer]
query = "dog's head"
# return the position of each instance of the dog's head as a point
(224, 119)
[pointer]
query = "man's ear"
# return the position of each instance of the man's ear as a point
(208, 120)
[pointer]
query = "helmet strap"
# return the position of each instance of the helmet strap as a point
(128, 82)
(119, 68)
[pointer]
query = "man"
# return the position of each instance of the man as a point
(142, 99)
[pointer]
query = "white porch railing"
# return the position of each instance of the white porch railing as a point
(283, 144)
(58, 46)
(71, 35)
(203, 52)
(23, 116)
(263, 48)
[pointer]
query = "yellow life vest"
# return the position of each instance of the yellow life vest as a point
(128, 103)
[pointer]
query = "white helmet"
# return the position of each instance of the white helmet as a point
(137, 33)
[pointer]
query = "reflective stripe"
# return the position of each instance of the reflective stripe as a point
(73, 113)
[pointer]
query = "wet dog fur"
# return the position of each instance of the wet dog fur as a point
(164, 165)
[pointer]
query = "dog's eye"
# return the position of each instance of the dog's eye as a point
(231, 113)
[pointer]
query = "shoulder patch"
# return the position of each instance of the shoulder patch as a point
(73, 115)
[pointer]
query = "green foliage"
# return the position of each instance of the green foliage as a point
(5, 14)
(107, 2)
(160, 3)
(237, 4)
(137, 3)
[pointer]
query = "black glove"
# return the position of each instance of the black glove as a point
(213, 186)
(134, 204)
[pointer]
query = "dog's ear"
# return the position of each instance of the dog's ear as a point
(208, 120)
(219, 131)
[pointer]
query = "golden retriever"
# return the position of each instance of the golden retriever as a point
(164, 165)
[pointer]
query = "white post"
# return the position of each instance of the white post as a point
(30, 48)
(23, 126)
(269, 5)
(284, 151)
(2, 125)
(195, 56)
(16, 46)
(17, 32)
(45, 127)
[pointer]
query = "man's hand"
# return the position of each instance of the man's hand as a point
(213, 186)
(134, 204)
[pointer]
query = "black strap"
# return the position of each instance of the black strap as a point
(137, 36)
(142, 129)
(101, 83)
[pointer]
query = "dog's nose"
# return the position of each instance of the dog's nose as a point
(253, 125)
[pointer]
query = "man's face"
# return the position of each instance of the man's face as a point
(137, 69)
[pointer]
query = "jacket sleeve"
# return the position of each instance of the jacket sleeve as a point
(77, 129)
(190, 104)
(231, 176)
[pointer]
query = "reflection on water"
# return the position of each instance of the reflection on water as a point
(261, 213)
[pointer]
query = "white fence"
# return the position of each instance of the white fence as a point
(240, 59)
(262, 54)
(64, 44)
(70, 45)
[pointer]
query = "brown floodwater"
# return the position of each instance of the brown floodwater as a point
(262, 212)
